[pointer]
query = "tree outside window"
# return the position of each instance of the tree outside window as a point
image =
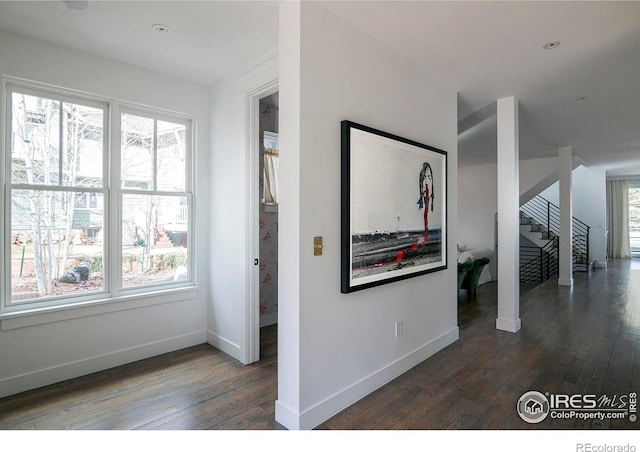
(155, 219)
(57, 150)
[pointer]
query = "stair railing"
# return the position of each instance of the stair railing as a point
(547, 215)
(539, 264)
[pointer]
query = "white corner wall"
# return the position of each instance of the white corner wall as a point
(37, 355)
(229, 261)
(339, 347)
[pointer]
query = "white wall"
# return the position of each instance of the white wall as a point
(336, 348)
(230, 263)
(589, 206)
(536, 175)
(56, 347)
(477, 205)
(478, 197)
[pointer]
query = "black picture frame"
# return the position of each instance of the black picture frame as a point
(393, 208)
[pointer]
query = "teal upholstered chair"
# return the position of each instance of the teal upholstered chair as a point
(463, 270)
(470, 281)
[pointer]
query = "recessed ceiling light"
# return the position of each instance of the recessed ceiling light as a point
(581, 98)
(551, 45)
(77, 5)
(161, 28)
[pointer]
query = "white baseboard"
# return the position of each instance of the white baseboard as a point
(599, 264)
(332, 405)
(55, 374)
(287, 416)
(225, 346)
(268, 319)
(568, 282)
(509, 325)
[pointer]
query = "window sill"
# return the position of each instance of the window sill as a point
(41, 316)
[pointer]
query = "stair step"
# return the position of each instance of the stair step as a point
(588, 268)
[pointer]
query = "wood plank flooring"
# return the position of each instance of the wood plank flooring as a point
(195, 388)
(584, 339)
(580, 340)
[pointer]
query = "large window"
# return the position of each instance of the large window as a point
(84, 220)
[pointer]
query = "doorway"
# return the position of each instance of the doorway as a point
(268, 192)
(259, 313)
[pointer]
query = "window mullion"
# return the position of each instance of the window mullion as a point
(56, 188)
(113, 246)
(5, 293)
(60, 141)
(5, 206)
(155, 155)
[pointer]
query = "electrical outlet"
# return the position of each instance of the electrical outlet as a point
(399, 328)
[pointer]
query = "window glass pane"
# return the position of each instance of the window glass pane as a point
(35, 140)
(155, 237)
(83, 145)
(171, 156)
(56, 246)
(270, 168)
(137, 152)
(634, 220)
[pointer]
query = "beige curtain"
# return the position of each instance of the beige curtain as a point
(271, 172)
(618, 244)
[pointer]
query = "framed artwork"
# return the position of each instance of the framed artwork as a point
(394, 208)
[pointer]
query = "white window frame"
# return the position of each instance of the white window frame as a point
(156, 115)
(113, 297)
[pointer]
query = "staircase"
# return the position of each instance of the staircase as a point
(540, 224)
(538, 261)
(162, 240)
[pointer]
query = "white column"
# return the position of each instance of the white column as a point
(288, 402)
(565, 264)
(508, 216)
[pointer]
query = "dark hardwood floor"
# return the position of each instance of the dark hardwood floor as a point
(195, 388)
(584, 339)
(579, 340)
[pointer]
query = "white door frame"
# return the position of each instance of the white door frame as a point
(252, 140)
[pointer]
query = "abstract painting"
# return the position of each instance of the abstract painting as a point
(394, 208)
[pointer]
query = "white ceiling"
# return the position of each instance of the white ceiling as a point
(208, 39)
(485, 50)
(489, 50)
